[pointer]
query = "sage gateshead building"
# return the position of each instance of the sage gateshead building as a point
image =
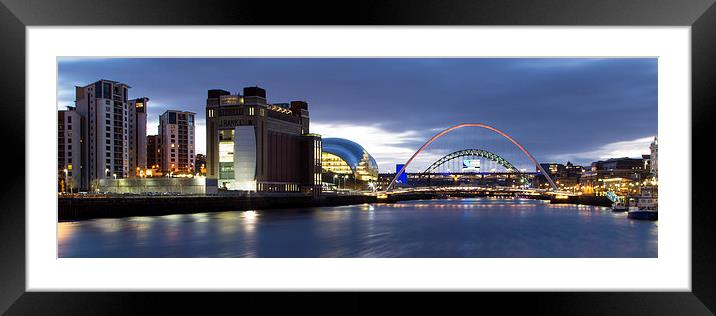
(253, 145)
(345, 157)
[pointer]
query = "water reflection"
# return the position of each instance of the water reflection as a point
(430, 228)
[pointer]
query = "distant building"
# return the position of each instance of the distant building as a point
(553, 169)
(176, 138)
(253, 145)
(344, 157)
(154, 157)
(69, 150)
(137, 141)
(615, 174)
(565, 176)
(654, 158)
(103, 105)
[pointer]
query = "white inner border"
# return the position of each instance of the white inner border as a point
(670, 271)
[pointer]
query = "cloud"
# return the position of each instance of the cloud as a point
(387, 147)
(630, 148)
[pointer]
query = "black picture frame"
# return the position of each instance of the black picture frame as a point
(15, 15)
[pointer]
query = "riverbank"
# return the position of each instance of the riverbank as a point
(75, 208)
(115, 206)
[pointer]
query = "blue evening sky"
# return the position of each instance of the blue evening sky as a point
(574, 109)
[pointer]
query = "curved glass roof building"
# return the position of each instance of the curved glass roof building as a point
(342, 156)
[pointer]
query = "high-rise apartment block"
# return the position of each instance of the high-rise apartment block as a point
(176, 136)
(69, 150)
(104, 104)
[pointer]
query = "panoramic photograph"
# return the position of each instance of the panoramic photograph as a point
(357, 157)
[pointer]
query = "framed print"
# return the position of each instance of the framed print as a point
(463, 147)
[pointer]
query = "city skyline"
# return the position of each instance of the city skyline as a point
(561, 109)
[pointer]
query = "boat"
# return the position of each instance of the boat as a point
(619, 207)
(647, 205)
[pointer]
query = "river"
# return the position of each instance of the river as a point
(452, 228)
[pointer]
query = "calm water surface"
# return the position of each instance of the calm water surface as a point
(452, 228)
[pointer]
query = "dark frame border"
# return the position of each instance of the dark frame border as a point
(15, 15)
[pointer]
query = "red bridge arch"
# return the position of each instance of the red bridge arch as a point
(438, 135)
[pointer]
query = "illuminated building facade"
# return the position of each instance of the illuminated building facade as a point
(342, 156)
(137, 136)
(176, 139)
(253, 145)
(621, 175)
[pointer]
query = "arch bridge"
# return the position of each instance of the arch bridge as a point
(480, 125)
(471, 153)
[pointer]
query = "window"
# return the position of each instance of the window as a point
(69, 154)
(107, 141)
(107, 128)
(107, 115)
(69, 126)
(69, 147)
(106, 154)
(107, 103)
(106, 122)
(172, 118)
(107, 161)
(173, 155)
(69, 160)
(108, 148)
(69, 119)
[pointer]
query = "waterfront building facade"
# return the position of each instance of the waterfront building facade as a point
(69, 150)
(253, 145)
(103, 105)
(176, 141)
(344, 157)
(137, 137)
(620, 175)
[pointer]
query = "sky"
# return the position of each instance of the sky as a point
(560, 109)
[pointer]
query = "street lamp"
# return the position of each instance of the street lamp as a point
(345, 178)
(65, 180)
(334, 179)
